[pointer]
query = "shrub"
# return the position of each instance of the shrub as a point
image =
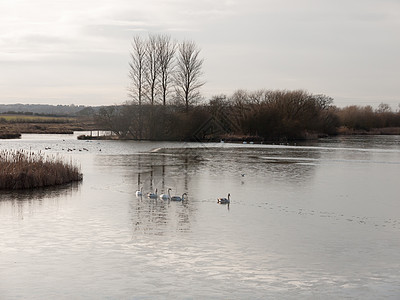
(25, 170)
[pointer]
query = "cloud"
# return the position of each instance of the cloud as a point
(332, 47)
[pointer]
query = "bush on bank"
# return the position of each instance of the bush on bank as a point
(25, 170)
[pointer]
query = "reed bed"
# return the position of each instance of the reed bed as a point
(21, 169)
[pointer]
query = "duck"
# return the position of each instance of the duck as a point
(139, 193)
(178, 198)
(152, 195)
(224, 200)
(166, 196)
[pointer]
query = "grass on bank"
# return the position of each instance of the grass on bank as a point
(21, 169)
(43, 125)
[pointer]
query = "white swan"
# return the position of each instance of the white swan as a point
(166, 196)
(139, 193)
(178, 198)
(152, 195)
(224, 200)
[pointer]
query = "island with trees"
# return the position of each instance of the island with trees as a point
(166, 104)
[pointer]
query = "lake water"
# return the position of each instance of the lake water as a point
(307, 221)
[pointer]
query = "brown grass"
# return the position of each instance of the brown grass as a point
(32, 126)
(25, 170)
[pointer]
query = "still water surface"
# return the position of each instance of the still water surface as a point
(310, 221)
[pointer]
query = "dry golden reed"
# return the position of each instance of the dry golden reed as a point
(21, 169)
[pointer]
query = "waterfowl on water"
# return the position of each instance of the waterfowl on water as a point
(178, 198)
(139, 193)
(166, 196)
(152, 195)
(224, 200)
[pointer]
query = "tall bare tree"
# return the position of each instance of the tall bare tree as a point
(188, 73)
(152, 67)
(137, 72)
(137, 69)
(167, 49)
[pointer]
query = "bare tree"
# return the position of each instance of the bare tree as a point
(152, 67)
(112, 118)
(167, 49)
(188, 73)
(137, 72)
(137, 69)
(383, 108)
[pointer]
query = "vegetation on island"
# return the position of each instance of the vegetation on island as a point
(259, 116)
(26, 170)
(165, 81)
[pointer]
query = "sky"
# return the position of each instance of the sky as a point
(77, 51)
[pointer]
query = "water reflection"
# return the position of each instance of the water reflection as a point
(161, 171)
(302, 221)
(205, 174)
(276, 164)
(160, 217)
(19, 203)
(174, 168)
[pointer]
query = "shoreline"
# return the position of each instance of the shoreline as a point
(256, 139)
(13, 132)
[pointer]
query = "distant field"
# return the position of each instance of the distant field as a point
(12, 125)
(33, 119)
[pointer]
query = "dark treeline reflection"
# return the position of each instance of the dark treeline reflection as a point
(204, 173)
(188, 169)
(163, 213)
(180, 168)
(162, 170)
(281, 163)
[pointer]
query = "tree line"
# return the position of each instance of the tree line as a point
(365, 118)
(165, 81)
(263, 115)
(43, 109)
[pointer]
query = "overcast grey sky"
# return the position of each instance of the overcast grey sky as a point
(77, 51)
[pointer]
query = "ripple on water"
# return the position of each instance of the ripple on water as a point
(303, 222)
